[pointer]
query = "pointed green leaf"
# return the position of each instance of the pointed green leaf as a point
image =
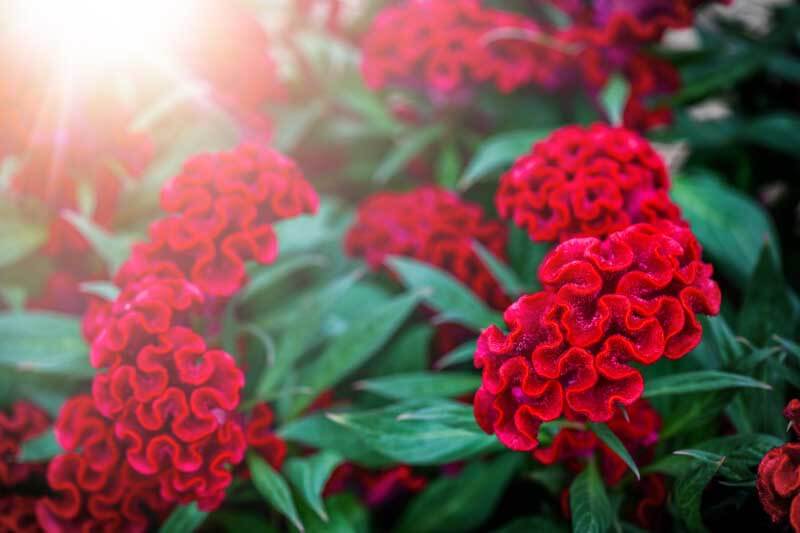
(113, 249)
(273, 488)
(43, 343)
(39, 449)
(463, 502)
(346, 514)
(699, 381)
(614, 97)
(689, 492)
(308, 475)
(444, 293)
(430, 432)
(612, 441)
(588, 502)
(498, 152)
(353, 347)
(407, 148)
(504, 274)
(102, 289)
(525, 256)
(461, 354)
(422, 385)
(184, 519)
(278, 272)
(18, 239)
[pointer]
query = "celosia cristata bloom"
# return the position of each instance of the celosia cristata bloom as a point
(631, 298)
(448, 46)
(582, 182)
(261, 437)
(22, 422)
(778, 484)
(94, 488)
(434, 226)
(375, 487)
(638, 433)
(222, 207)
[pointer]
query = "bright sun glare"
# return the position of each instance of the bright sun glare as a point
(91, 35)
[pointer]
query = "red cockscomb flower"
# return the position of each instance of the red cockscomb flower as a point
(375, 487)
(173, 406)
(792, 413)
(261, 437)
(18, 514)
(778, 484)
(222, 209)
(630, 298)
(449, 46)
(94, 488)
(638, 433)
(22, 422)
(434, 226)
(583, 182)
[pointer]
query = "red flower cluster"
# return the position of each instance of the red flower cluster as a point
(94, 488)
(778, 480)
(631, 298)
(450, 46)
(261, 438)
(638, 433)
(434, 226)
(375, 487)
(583, 182)
(24, 421)
(222, 209)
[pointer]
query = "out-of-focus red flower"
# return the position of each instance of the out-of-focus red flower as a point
(582, 182)
(62, 293)
(778, 484)
(375, 487)
(18, 514)
(652, 496)
(638, 433)
(222, 209)
(432, 225)
(226, 46)
(792, 413)
(22, 422)
(451, 46)
(94, 488)
(631, 298)
(261, 437)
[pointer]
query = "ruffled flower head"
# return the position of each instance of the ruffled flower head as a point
(262, 438)
(93, 487)
(449, 46)
(631, 298)
(222, 207)
(22, 422)
(586, 182)
(778, 484)
(434, 226)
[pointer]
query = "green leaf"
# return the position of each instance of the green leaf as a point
(612, 441)
(498, 152)
(699, 381)
(767, 309)
(300, 332)
(317, 431)
(422, 385)
(19, 238)
(689, 492)
(614, 97)
(503, 273)
(730, 226)
(102, 289)
(448, 165)
(461, 354)
(307, 233)
(353, 348)
(525, 256)
(309, 474)
(460, 503)
(539, 524)
(43, 343)
(40, 449)
(784, 65)
(408, 353)
(278, 272)
(184, 519)
(588, 502)
(444, 293)
(346, 514)
(701, 455)
(112, 249)
(296, 123)
(431, 432)
(778, 131)
(273, 488)
(405, 150)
